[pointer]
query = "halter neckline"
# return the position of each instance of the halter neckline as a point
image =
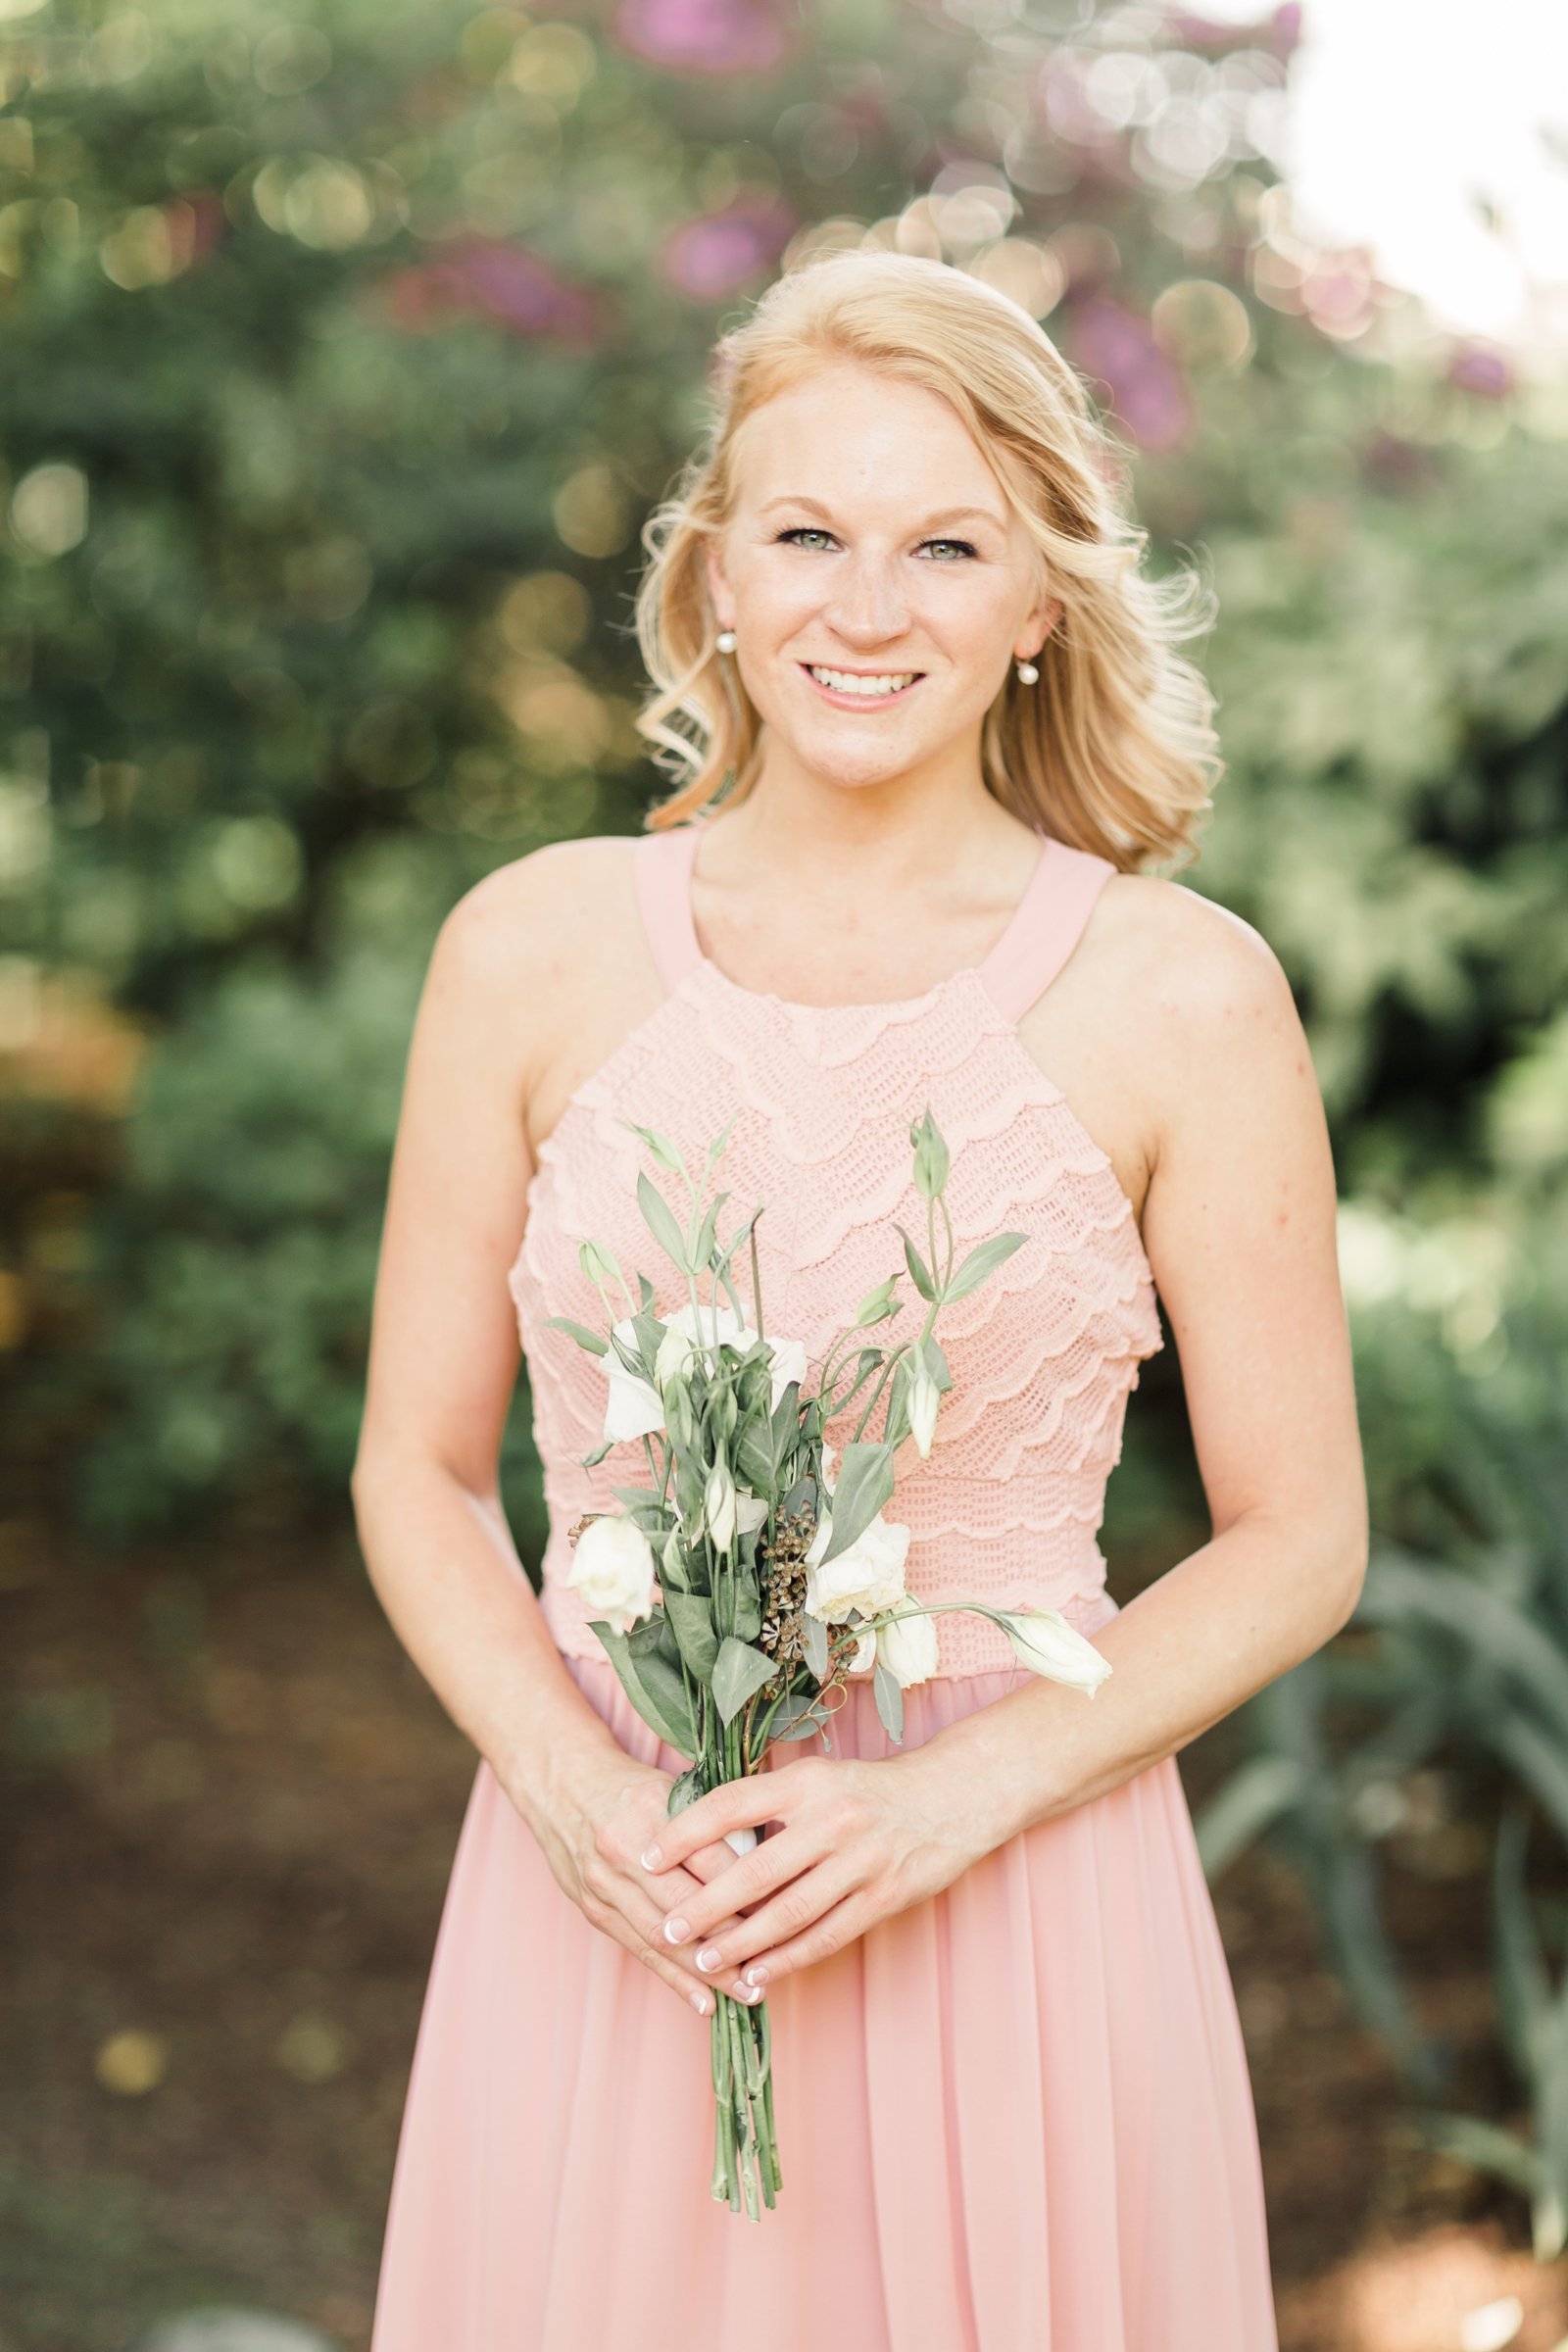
(1029, 950)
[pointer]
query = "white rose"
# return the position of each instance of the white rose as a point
(632, 1408)
(612, 1568)
(788, 1364)
(864, 1657)
(686, 1328)
(682, 1330)
(907, 1646)
(1044, 1642)
(868, 1576)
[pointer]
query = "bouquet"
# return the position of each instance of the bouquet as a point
(748, 1577)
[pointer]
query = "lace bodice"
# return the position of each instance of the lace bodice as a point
(1008, 1505)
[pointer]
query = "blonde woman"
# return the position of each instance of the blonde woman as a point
(931, 729)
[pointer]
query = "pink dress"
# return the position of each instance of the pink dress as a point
(1016, 2117)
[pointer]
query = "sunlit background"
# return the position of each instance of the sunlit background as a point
(344, 349)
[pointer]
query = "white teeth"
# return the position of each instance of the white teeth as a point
(840, 682)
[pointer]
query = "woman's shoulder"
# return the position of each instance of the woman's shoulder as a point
(1186, 951)
(1199, 993)
(528, 914)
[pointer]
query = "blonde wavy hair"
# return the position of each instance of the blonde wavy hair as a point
(1114, 750)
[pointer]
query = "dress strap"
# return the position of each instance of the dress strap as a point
(1046, 926)
(661, 871)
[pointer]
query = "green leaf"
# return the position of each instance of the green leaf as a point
(593, 1341)
(754, 1456)
(980, 1262)
(738, 1671)
(650, 1332)
(661, 1222)
(654, 1689)
(748, 1608)
(795, 1718)
(684, 1791)
(864, 1482)
(703, 1241)
(716, 1147)
(813, 1641)
(692, 1617)
(591, 1461)
(916, 1264)
(889, 1695)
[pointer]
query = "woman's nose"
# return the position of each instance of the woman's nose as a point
(869, 603)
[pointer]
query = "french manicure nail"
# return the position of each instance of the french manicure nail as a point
(757, 1974)
(652, 1859)
(710, 1956)
(699, 2003)
(676, 1931)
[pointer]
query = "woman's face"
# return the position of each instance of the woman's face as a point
(871, 541)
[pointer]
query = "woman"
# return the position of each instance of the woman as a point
(894, 607)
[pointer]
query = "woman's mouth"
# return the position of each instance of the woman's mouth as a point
(861, 689)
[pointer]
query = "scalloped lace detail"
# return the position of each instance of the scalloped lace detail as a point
(1007, 1507)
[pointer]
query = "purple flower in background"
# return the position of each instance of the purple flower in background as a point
(1146, 390)
(1476, 369)
(706, 36)
(502, 282)
(714, 256)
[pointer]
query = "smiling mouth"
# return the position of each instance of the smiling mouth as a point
(877, 686)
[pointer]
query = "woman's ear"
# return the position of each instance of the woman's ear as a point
(717, 585)
(1041, 621)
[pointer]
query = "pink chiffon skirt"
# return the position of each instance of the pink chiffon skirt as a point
(1015, 2118)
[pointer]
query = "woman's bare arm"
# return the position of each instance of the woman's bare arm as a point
(1240, 1229)
(443, 1366)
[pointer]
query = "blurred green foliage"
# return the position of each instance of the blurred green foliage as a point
(343, 351)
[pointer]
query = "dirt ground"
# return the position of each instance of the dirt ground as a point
(229, 1810)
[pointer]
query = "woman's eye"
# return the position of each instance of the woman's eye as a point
(963, 545)
(802, 531)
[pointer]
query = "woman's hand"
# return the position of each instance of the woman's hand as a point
(591, 1840)
(862, 1839)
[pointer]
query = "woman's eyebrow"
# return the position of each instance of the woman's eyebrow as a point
(931, 522)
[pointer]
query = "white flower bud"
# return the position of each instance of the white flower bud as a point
(923, 1401)
(612, 1568)
(1044, 1642)
(719, 1507)
(907, 1646)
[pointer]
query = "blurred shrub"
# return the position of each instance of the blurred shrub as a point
(1443, 1705)
(238, 1251)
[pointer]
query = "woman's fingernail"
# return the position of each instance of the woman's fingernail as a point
(676, 1931)
(757, 1974)
(710, 1956)
(653, 1858)
(699, 2003)
(750, 1993)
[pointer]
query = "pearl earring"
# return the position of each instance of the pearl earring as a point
(1027, 673)
(725, 641)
